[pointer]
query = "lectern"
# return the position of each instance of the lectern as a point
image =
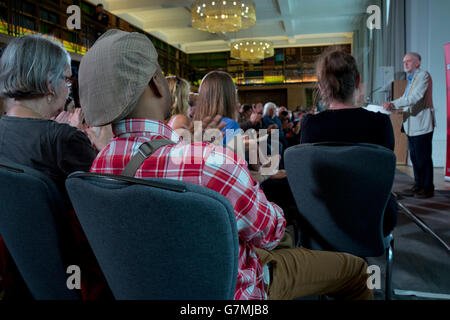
(401, 141)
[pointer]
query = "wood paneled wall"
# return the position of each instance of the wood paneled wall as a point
(290, 96)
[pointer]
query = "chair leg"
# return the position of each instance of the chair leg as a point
(389, 260)
(422, 225)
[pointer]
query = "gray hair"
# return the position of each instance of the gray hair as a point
(269, 105)
(415, 55)
(29, 65)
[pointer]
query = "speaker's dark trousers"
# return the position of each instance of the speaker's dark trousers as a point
(420, 153)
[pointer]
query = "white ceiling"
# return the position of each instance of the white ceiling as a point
(288, 23)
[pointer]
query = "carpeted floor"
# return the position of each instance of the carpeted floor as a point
(420, 262)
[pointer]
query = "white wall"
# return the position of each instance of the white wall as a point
(427, 30)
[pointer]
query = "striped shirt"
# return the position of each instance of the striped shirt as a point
(260, 223)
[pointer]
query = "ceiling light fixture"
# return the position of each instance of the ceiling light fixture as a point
(252, 50)
(223, 16)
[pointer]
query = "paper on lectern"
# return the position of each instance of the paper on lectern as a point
(375, 108)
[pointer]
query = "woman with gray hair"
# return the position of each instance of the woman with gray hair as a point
(34, 79)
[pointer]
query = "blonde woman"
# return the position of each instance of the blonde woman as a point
(179, 92)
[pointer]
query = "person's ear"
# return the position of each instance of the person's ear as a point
(50, 94)
(156, 86)
(50, 90)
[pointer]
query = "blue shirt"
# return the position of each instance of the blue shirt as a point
(231, 129)
(409, 78)
(267, 121)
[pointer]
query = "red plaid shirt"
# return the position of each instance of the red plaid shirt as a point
(260, 223)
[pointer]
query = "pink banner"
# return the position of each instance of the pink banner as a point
(447, 71)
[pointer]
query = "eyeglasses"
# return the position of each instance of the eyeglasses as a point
(68, 80)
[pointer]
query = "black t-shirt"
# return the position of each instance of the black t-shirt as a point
(348, 125)
(54, 149)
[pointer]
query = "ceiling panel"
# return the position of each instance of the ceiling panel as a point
(287, 23)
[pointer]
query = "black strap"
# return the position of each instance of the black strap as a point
(114, 177)
(145, 150)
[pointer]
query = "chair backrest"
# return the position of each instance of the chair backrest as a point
(341, 191)
(29, 207)
(158, 238)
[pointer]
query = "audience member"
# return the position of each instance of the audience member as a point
(244, 117)
(344, 121)
(138, 116)
(217, 96)
(179, 92)
(258, 115)
(290, 130)
(192, 101)
(102, 18)
(34, 76)
(281, 109)
(250, 118)
(270, 120)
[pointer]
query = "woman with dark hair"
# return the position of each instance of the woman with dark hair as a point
(344, 121)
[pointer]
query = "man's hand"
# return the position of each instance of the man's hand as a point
(388, 106)
(99, 136)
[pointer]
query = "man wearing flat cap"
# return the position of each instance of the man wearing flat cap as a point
(121, 83)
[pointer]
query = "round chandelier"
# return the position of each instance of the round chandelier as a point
(222, 16)
(252, 50)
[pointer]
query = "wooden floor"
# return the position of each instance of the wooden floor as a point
(439, 174)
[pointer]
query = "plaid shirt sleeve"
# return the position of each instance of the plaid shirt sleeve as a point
(259, 222)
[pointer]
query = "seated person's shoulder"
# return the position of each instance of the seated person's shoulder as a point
(314, 118)
(230, 124)
(65, 134)
(180, 121)
(377, 116)
(64, 130)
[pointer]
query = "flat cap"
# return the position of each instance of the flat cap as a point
(113, 75)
